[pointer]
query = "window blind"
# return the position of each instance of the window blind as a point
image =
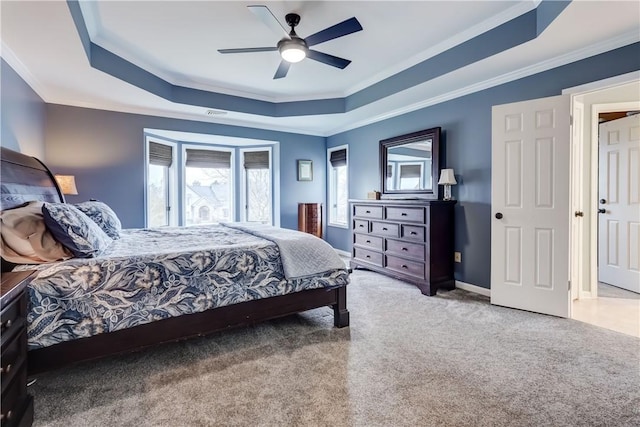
(409, 171)
(208, 159)
(338, 158)
(256, 160)
(160, 154)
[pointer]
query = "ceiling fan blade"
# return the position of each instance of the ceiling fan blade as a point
(349, 26)
(265, 15)
(325, 58)
(282, 70)
(248, 50)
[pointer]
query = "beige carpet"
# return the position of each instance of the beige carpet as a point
(406, 360)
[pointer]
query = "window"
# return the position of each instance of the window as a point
(197, 183)
(411, 176)
(160, 184)
(257, 185)
(208, 186)
(338, 186)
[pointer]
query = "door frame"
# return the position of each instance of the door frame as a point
(585, 186)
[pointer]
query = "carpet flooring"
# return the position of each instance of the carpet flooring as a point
(406, 360)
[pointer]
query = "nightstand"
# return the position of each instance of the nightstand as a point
(17, 405)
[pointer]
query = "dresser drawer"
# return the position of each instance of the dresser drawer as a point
(405, 214)
(385, 229)
(406, 249)
(411, 268)
(15, 398)
(360, 226)
(13, 318)
(368, 211)
(372, 242)
(413, 232)
(14, 353)
(368, 256)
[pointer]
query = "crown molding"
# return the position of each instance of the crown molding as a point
(595, 49)
(23, 71)
(466, 35)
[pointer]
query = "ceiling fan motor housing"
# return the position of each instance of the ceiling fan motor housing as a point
(292, 19)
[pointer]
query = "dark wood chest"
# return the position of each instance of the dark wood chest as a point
(411, 240)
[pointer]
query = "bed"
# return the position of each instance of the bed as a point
(150, 286)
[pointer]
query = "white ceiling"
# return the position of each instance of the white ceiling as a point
(178, 42)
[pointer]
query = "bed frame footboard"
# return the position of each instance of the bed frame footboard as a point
(187, 326)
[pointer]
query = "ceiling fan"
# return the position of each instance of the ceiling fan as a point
(293, 48)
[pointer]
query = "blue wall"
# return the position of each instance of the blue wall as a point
(466, 147)
(22, 114)
(105, 151)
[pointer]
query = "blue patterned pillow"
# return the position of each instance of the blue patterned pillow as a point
(102, 215)
(76, 231)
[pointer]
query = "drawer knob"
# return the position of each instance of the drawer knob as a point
(361, 226)
(367, 211)
(413, 233)
(405, 249)
(404, 266)
(384, 228)
(7, 324)
(403, 214)
(368, 256)
(368, 241)
(6, 369)
(6, 416)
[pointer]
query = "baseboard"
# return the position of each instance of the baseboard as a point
(473, 288)
(343, 253)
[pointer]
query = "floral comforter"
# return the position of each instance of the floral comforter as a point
(152, 274)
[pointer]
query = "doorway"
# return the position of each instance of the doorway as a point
(594, 302)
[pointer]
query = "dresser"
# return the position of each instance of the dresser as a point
(17, 405)
(411, 240)
(310, 218)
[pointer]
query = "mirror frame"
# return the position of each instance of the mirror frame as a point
(385, 144)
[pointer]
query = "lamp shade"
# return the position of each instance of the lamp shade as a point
(67, 184)
(447, 177)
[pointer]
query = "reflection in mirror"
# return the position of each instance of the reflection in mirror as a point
(409, 166)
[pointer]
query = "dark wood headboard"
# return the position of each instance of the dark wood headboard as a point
(24, 178)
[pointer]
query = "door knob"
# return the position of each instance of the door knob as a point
(579, 213)
(601, 210)
(603, 201)
(498, 215)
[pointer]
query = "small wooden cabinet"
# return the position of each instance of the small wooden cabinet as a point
(310, 218)
(17, 405)
(411, 240)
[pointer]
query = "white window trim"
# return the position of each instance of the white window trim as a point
(243, 182)
(233, 175)
(330, 179)
(173, 180)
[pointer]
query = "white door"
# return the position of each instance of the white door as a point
(530, 205)
(619, 203)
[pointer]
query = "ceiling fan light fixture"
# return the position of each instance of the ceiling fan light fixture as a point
(293, 50)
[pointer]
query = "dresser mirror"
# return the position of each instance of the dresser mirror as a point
(409, 165)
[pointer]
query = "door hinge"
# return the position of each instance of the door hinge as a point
(569, 284)
(571, 120)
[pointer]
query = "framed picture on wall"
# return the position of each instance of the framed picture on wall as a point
(305, 170)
